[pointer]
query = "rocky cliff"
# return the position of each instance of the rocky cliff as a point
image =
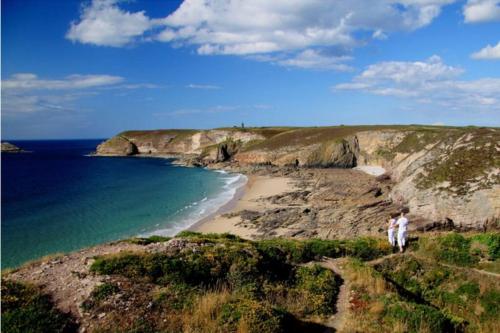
(444, 175)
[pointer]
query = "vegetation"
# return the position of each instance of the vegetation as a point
(148, 240)
(26, 309)
(466, 166)
(248, 286)
(222, 283)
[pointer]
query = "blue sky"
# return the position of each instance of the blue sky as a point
(90, 69)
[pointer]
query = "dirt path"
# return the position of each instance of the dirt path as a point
(337, 321)
(477, 270)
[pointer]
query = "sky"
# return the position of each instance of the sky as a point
(93, 68)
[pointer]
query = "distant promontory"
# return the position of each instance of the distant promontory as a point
(8, 147)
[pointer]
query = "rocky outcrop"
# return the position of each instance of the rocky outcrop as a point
(117, 146)
(8, 147)
(440, 174)
(340, 153)
(226, 150)
(174, 142)
(447, 176)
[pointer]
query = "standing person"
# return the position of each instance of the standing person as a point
(391, 230)
(402, 231)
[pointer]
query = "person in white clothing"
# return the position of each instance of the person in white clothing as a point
(391, 231)
(402, 223)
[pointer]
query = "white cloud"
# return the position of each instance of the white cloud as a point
(481, 11)
(299, 32)
(427, 82)
(202, 86)
(311, 59)
(104, 23)
(487, 53)
(262, 26)
(27, 93)
(29, 81)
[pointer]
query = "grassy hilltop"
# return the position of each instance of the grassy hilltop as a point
(221, 283)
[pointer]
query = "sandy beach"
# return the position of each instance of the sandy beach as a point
(250, 197)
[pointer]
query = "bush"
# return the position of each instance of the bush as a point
(366, 248)
(418, 317)
(492, 241)
(148, 240)
(454, 249)
(318, 288)
(490, 301)
(253, 316)
(26, 309)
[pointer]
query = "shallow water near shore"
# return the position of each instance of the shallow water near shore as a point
(56, 199)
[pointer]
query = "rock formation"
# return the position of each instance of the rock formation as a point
(8, 147)
(445, 176)
(117, 146)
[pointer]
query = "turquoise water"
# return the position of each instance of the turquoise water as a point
(56, 199)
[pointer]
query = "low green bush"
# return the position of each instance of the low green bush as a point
(492, 241)
(490, 301)
(256, 317)
(418, 317)
(318, 288)
(148, 240)
(26, 309)
(454, 249)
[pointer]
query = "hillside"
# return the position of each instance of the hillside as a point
(221, 283)
(446, 176)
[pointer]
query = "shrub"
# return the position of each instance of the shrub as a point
(318, 288)
(367, 248)
(253, 316)
(26, 309)
(418, 317)
(490, 301)
(492, 241)
(469, 289)
(148, 240)
(454, 249)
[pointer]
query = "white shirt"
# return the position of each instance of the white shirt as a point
(392, 224)
(402, 224)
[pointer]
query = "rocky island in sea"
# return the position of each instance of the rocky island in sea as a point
(8, 147)
(303, 247)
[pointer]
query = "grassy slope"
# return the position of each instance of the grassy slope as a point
(433, 288)
(221, 283)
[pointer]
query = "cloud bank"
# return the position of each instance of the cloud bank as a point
(476, 11)
(488, 53)
(428, 82)
(300, 32)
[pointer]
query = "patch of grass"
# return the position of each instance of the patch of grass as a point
(263, 290)
(467, 163)
(418, 139)
(148, 240)
(99, 294)
(492, 241)
(454, 249)
(26, 309)
(418, 317)
(318, 288)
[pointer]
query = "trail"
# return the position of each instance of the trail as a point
(413, 254)
(338, 320)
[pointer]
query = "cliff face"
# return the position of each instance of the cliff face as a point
(451, 176)
(172, 142)
(445, 175)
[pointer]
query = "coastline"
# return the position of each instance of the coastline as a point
(250, 197)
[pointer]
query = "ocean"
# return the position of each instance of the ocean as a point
(56, 198)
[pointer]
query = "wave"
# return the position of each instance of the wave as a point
(199, 210)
